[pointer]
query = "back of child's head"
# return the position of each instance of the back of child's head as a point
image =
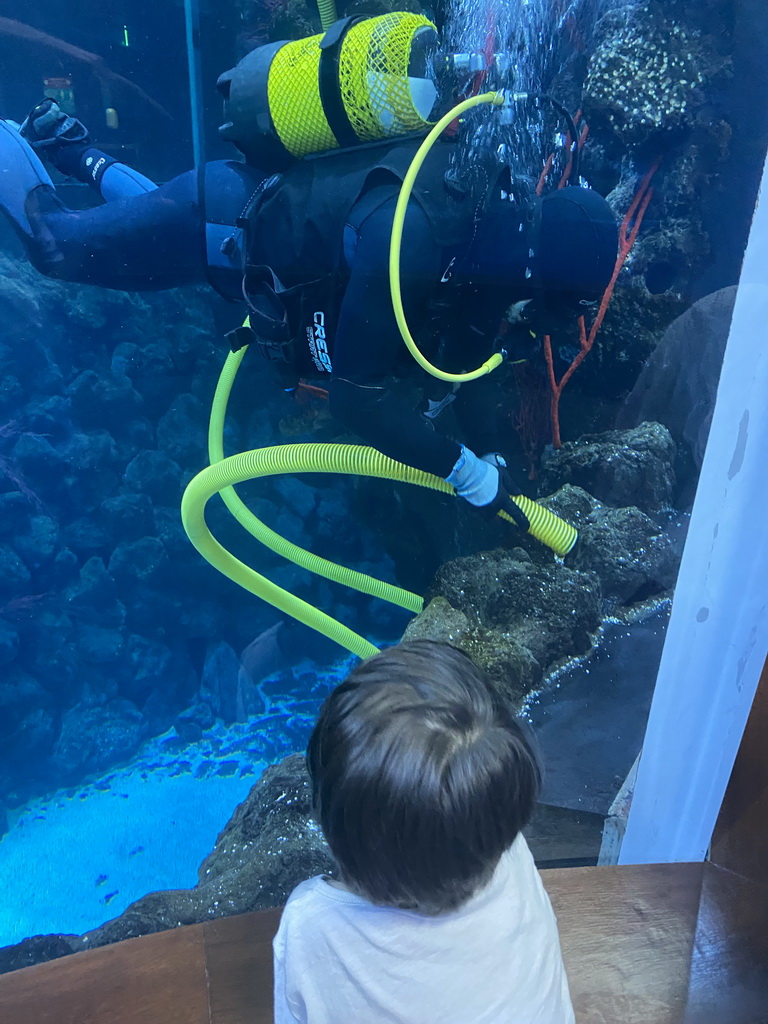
(422, 777)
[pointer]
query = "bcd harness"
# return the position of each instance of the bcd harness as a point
(294, 274)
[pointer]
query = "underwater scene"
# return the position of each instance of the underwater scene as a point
(324, 325)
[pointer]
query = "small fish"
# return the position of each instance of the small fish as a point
(106, 900)
(135, 850)
(101, 879)
(39, 817)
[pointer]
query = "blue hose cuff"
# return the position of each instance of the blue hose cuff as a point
(474, 480)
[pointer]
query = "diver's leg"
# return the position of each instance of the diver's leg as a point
(145, 242)
(21, 175)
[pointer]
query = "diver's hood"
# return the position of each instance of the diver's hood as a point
(577, 243)
(564, 242)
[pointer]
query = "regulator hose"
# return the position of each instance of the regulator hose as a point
(396, 240)
(327, 11)
(223, 473)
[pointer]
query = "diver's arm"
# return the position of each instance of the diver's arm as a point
(111, 178)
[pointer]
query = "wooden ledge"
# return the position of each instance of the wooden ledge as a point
(653, 944)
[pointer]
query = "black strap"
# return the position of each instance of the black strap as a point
(328, 82)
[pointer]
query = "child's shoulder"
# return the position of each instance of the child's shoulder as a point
(320, 892)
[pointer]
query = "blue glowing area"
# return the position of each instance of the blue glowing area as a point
(81, 856)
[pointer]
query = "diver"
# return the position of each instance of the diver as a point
(307, 248)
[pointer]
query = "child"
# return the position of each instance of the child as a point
(422, 781)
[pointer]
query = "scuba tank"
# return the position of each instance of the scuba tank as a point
(363, 80)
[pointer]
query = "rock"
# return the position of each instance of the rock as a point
(99, 401)
(511, 668)
(619, 467)
(36, 458)
(19, 692)
(94, 597)
(626, 549)
(94, 738)
(155, 667)
(39, 542)
(128, 516)
(269, 845)
(650, 74)
(14, 512)
(32, 740)
(99, 646)
(9, 643)
(678, 384)
(549, 609)
(14, 575)
(86, 537)
(138, 561)
(37, 950)
(181, 433)
(219, 683)
(299, 498)
(50, 417)
(155, 474)
(199, 714)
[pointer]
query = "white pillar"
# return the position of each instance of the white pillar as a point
(717, 638)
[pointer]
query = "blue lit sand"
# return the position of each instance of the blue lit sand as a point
(78, 858)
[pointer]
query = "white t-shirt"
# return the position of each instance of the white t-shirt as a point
(496, 960)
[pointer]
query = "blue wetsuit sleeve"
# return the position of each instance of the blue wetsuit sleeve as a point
(368, 346)
(111, 179)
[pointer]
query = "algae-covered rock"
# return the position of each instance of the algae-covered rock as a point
(625, 549)
(651, 73)
(510, 666)
(619, 467)
(549, 609)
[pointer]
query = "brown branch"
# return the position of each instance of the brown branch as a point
(628, 232)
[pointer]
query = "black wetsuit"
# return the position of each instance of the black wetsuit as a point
(162, 238)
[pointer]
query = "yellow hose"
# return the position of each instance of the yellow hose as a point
(396, 240)
(223, 473)
(327, 11)
(281, 546)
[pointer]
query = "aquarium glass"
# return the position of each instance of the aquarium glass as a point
(142, 692)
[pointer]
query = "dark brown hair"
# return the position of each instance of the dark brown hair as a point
(422, 777)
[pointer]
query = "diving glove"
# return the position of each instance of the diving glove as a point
(47, 125)
(485, 483)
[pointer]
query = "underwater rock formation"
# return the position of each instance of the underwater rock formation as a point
(650, 72)
(678, 384)
(652, 90)
(519, 613)
(618, 467)
(108, 616)
(629, 552)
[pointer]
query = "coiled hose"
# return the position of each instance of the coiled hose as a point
(223, 473)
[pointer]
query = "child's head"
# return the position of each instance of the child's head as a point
(422, 777)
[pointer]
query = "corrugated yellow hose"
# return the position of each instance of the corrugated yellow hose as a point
(327, 11)
(358, 460)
